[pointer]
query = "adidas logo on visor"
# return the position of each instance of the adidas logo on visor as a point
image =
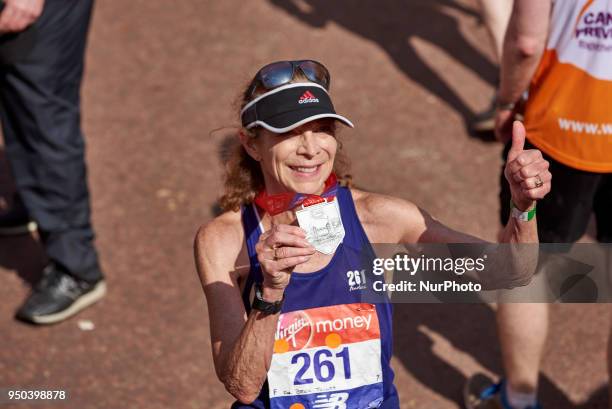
(307, 97)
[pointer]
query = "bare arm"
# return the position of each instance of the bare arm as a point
(507, 267)
(524, 43)
(393, 220)
(243, 346)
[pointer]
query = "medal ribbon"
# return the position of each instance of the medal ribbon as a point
(278, 203)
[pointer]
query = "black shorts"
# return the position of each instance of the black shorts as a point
(563, 215)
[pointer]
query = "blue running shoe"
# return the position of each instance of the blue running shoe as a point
(480, 392)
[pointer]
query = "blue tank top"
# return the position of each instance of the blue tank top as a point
(331, 349)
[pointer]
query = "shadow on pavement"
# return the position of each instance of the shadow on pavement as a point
(471, 329)
(598, 400)
(21, 253)
(392, 25)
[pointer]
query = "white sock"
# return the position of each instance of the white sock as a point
(520, 400)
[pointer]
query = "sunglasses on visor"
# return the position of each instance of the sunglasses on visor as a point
(282, 72)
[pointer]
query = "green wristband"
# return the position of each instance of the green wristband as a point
(522, 216)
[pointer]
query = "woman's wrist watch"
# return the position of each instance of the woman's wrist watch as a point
(264, 306)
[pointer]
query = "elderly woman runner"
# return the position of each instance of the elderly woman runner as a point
(288, 325)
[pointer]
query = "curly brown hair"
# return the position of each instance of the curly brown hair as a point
(243, 175)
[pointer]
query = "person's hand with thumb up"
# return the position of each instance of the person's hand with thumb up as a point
(526, 171)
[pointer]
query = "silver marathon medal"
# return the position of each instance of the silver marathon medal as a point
(323, 225)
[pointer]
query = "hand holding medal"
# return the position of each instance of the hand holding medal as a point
(283, 247)
(279, 250)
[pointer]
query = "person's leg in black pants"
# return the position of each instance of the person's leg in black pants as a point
(40, 114)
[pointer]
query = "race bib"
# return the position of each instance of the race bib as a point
(327, 357)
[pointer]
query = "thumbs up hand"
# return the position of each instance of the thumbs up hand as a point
(526, 171)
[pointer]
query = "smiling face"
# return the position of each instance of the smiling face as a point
(297, 161)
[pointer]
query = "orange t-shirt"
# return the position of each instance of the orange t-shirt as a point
(569, 111)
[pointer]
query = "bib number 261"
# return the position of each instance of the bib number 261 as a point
(323, 363)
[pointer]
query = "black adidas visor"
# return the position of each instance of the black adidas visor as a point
(289, 106)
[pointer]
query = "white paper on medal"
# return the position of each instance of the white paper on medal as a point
(323, 225)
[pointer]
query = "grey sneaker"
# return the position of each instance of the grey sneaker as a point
(58, 296)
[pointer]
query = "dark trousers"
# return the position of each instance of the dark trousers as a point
(40, 79)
